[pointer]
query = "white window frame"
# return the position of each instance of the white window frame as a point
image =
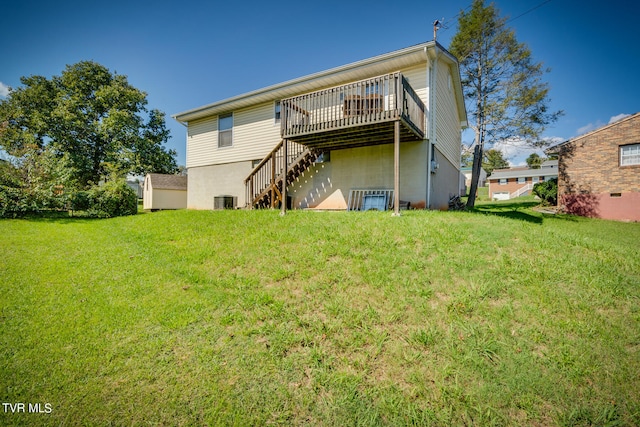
(535, 179)
(277, 112)
(522, 180)
(630, 155)
(503, 181)
(222, 133)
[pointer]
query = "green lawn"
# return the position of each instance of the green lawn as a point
(502, 316)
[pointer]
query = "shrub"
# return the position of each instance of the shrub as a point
(81, 201)
(14, 202)
(547, 191)
(114, 198)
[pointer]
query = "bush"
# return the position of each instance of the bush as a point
(14, 202)
(114, 198)
(547, 191)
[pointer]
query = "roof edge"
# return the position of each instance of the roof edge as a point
(554, 149)
(184, 116)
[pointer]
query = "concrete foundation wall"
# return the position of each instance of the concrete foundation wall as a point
(327, 185)
(444, 183)
(207, 182)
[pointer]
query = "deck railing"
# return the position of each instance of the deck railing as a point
(379, 99)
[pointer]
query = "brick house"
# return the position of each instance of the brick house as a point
(599, 172)
(505, 184)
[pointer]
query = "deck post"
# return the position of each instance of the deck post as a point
(283, 205)
(396, 168)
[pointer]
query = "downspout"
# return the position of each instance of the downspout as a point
(431, 120)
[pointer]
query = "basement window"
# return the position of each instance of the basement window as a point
(615, 194)
(630, 155)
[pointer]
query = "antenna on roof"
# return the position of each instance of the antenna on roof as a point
(436, 27)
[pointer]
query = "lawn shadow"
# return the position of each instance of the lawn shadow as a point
(58, 217)
(512, 210)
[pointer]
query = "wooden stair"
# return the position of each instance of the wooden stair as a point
(264, 183)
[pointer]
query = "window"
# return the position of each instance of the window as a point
(535, 179)
(276, 111)
(324, 157)
(522, 180)
(503, 181)
(630, 155)
(225, 130)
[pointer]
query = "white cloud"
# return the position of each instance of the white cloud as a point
(618, 118)
(4, 90)
(516, 151)
(598, 124)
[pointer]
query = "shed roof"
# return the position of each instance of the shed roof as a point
(161, 181)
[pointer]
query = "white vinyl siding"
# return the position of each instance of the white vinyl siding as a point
(447, 118)
(202, 142)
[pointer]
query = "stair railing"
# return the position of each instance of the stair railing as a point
(267, 176)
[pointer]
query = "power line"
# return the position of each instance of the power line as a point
(530, 10)
(445, 27)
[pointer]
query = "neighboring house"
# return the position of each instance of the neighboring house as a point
(505, 184)
(467, 171)
(599, 172)
(366, 134)
(164, 191)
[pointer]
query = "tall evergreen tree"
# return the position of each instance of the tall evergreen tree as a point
(502, 84)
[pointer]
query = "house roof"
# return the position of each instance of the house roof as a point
(556, 148)
(161, 181)
(359, 70)
(550, 167)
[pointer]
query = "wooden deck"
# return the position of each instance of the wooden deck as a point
(356, 114)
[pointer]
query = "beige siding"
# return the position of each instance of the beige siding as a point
(448, 137)
(417, 77)
(255, 133)
(202, 141)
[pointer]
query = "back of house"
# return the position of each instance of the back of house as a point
(348, 137)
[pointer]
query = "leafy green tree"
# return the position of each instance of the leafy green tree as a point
(92, 117)
(534, 161)
(547, 191)
(502, 84)
(466, 156)
(494, 159)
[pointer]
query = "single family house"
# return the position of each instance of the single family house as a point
(599, 172)
(467, 172)
(371, 134)
(505, 184)
(161, 191)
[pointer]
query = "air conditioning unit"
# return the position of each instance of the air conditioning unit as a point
(225, 202)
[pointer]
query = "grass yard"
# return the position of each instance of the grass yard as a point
(502, 316)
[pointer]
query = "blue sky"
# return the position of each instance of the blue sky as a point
(191, 53)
